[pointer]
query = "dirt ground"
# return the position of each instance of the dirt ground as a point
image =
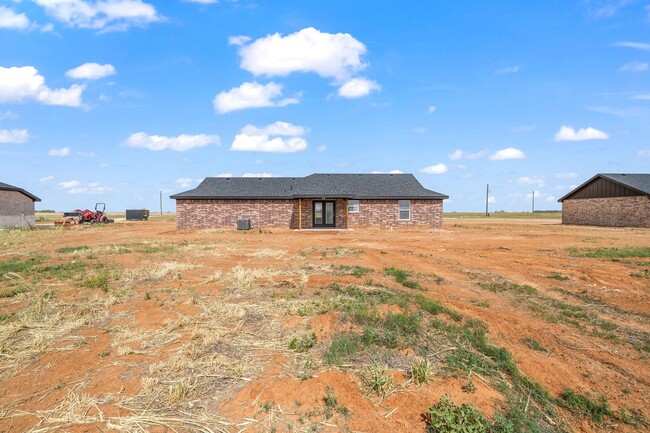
(140, 327)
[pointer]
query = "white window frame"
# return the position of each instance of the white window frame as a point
(351, 206)
(401, 209)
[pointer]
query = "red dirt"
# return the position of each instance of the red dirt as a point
(524, 252)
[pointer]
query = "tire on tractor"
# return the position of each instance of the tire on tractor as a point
(103, 219)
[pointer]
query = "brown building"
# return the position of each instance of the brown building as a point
(16, 206)
(616, 200)
(317, 201)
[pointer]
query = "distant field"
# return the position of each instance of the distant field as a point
(508, 215)
(50, 217)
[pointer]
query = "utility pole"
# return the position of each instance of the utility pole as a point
(533, 201)
(160, 202)
(487, 200)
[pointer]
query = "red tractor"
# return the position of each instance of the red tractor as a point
(85, 216)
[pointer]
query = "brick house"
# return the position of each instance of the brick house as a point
(338, 201)
(615, 200)
(16, 206)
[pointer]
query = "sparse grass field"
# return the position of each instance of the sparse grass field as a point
(498, 325)
(506, 215)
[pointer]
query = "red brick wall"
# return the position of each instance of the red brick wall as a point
(192, 214)
(384, 213)
(611, 211)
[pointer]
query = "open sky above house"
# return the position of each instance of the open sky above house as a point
(116, 100)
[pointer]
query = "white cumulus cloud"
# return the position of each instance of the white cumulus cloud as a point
(101, 15)
(435, 169)
(18, 84)
(64, 151)
(263, 143)
(431, 109)
(15, 136)
(46, 179)
(568, 133)
(11, 20)
(357, 88)
(508, 153)
(644, 153)
(278, 137)
(180, 143)
(251, 95)
(308, 50)
(91, 71)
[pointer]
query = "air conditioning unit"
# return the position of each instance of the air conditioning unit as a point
(243, 224)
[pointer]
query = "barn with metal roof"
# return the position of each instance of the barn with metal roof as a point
(609, 199)
(317, 201)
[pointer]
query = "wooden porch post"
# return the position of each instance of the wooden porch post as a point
(300, 215)
(347, 212)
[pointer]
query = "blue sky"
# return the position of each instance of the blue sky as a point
(116, 100)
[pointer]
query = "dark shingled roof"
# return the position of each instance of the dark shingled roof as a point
(637, 181)
(7, 187)
(354, 186)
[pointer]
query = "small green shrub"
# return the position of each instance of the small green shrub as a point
(583, 404)
(99, 281)
(421, 371)
(379, 380)
(401, 276)
(340, 348)
(446, 417)
(302, 344)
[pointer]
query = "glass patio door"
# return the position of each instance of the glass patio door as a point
(324, 214)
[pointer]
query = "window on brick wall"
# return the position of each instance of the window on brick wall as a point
(404, 212)
(353, 206)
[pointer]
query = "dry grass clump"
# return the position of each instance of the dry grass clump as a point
(223, 347)
(157, 271)
(36, 327)
(74, 409)
(246, 280)
(267, 253)
(129, 341)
